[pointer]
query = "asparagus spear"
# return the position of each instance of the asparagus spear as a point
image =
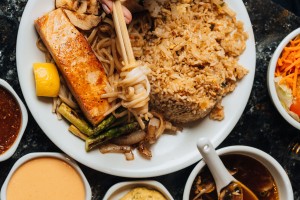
(106, 123)
(77, 132)
(91, 143)
(81, 124)
(76, 120)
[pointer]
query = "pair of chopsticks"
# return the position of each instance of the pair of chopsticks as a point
(122, 34)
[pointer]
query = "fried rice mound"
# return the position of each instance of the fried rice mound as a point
(193, 52)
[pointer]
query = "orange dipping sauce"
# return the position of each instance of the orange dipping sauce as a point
(45, 178)
(10, 119)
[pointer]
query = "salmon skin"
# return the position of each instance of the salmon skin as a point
(77, 63)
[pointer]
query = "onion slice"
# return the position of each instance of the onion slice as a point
(144, 150)
(113, 148)
(129, 156)
(130, 139)
(152, 129)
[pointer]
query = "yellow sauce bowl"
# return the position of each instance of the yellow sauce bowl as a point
(118, 190)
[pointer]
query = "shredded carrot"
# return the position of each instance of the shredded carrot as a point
(295, 41)
(292, 65)
(295, 81)
(291, 48)
(288, 61)
(288, 65)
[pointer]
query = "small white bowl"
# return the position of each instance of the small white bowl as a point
(63, 157)
(7, 154)
(271, 76)
(120, 189)
(280, 177)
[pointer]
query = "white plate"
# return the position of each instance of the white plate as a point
(170, 153)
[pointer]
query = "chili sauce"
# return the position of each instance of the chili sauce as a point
(10, 119)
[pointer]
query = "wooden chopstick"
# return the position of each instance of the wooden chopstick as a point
(122, 33)
(119, 34)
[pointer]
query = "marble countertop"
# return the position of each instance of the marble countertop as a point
(260, 126)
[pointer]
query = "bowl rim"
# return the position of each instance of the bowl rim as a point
(24, 115)
(270, 79)
(61, 156)
(128, 185)
(282, 180)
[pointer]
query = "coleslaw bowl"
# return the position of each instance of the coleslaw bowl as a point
(274, 93)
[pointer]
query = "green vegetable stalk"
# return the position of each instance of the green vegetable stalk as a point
(81, 124)
(77, 132)
(106, 123)
(74, 119)
(91, 143)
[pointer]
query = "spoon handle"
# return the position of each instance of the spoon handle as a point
(214, 163)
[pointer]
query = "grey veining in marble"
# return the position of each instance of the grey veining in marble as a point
(260, 126)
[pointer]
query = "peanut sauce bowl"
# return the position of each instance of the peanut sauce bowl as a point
(282, 187)
(43, 175)
(24, 119)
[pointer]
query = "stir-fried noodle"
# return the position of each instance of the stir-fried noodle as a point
(128, 84)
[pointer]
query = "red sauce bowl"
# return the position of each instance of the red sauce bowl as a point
(19, 131)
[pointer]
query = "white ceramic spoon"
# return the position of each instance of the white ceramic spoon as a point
(223, 179)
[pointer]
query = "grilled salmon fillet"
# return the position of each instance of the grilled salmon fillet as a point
(77, 63)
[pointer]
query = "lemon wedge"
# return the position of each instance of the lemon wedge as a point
(47, 80)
